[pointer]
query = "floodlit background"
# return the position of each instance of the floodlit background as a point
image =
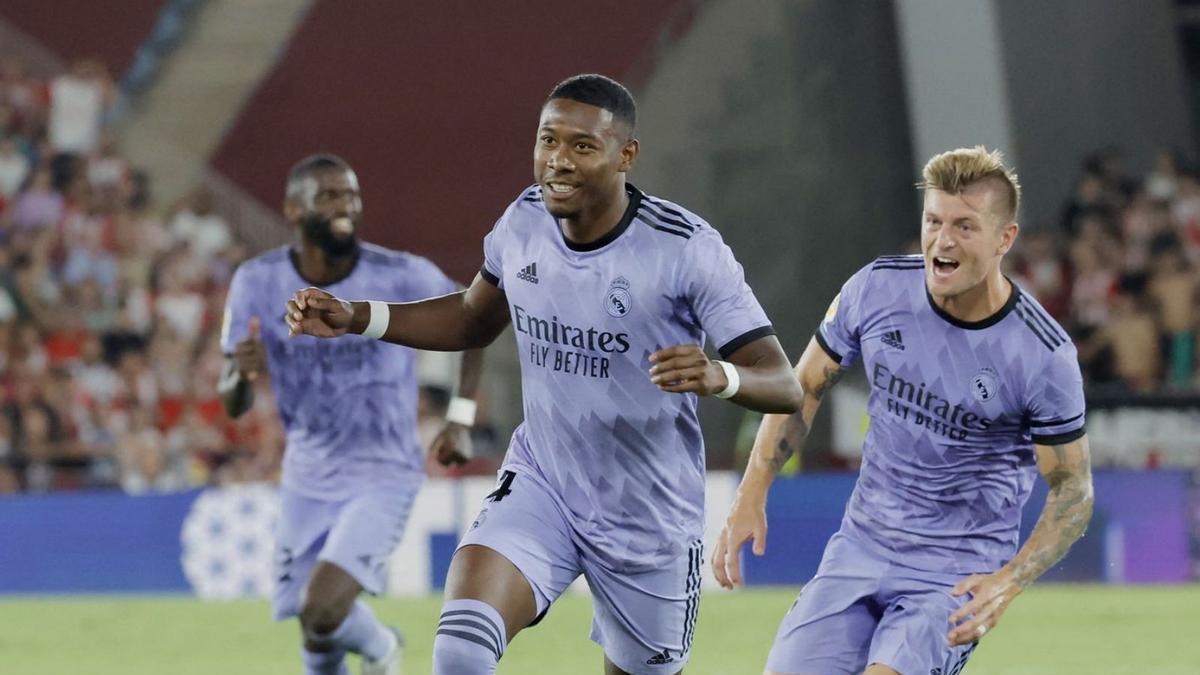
(143, 148)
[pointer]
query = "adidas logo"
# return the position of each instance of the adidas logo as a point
(659, 659)
(892, 339)
(529, 273)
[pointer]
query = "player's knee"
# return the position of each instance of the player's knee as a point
(320, 618)
(470, 639)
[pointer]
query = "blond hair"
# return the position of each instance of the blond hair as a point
(956, 170)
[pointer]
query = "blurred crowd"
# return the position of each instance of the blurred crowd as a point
(1120, 272)
(110, 304)
(109, 309)
(110, 313)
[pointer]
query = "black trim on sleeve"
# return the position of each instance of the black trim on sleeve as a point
(745, 339)
(825, 345)
(1054, 423)
(1059, 439)
(489, 277)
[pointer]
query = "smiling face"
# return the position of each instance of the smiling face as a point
(963, 237)
(580, 158)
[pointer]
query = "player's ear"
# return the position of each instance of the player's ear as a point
(629, 153)
(1008, 237)
(292, 209)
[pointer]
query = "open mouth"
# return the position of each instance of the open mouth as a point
(943, 266)
(341, 226)
(559, 189)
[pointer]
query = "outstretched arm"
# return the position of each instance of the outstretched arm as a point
(779, 437)
(1068, 470)
(765, 382)
(468, 319)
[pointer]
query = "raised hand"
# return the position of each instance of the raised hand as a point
(312, 311)
(747, 521)
(686, 369)
(249, 353)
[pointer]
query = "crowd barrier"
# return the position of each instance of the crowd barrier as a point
(217, 543)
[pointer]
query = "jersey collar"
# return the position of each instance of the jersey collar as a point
(982, 323)
(635, 198)
(294, 257)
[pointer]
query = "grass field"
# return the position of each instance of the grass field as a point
(1052, 630)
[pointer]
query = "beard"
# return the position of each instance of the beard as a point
(319, 232)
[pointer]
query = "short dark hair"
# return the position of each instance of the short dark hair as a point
(312, 164)
(600, 91)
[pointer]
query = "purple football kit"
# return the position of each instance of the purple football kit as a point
(948, 462)
(352, 465)
(605, 477)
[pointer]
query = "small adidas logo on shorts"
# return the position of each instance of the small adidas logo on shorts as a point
(529, 273)
(659, 659)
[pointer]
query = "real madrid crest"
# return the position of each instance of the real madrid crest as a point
(985, 385)
(618, 301)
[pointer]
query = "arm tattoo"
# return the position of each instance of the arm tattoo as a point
(831, 376)
(1064, 518)
(796, 428)
(790, 441)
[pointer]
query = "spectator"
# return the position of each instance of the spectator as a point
(14, 168)
(1173, 289)
(1131, 339)
(77, 103)
(204, 231)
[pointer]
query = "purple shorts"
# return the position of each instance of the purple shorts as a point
(643, 621)
(861, 609)
(356, 534)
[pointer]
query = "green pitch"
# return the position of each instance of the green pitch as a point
(1052, 630)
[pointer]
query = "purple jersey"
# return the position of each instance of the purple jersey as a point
(955, 409)
(625, 460)
(349, 406)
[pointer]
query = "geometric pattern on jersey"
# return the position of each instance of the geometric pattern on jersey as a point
(955, 409)
(625, 459)
(348, 406)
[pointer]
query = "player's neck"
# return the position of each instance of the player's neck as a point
(319, 268)
(591, 226)
(980, 302)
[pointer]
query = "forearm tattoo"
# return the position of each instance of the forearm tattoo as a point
(1064, 518)
(795, 429)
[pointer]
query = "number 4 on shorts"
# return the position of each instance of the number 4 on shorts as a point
(503, 488)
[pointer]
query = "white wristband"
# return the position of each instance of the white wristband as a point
(462, 411)
(380, 316)
(731, 374)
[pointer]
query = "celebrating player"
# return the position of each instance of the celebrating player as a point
(352, 465)
(611, 292)
(972, 385)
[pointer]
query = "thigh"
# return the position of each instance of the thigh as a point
(304, 525)
(521, 528)
(366, 530)
(828, 629)
(912, 632)
(646, 621)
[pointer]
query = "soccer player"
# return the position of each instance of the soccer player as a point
(972, 385)
(611, 293)
(352, 465)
